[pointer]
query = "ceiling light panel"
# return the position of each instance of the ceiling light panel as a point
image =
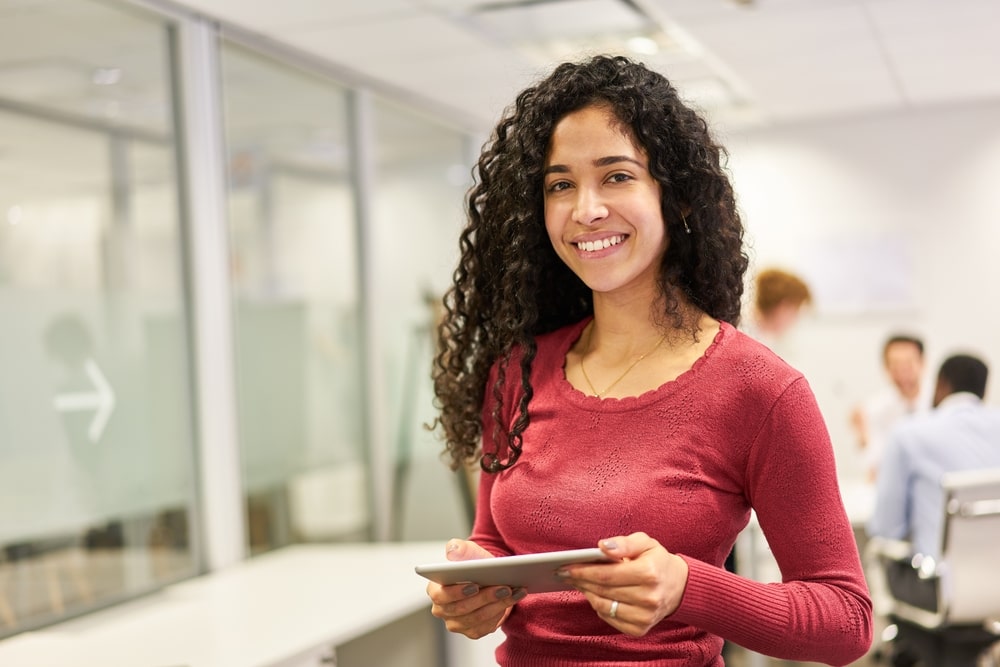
(556, 19)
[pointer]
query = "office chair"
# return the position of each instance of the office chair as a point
(958, 618)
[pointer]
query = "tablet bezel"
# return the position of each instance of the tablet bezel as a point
(534, 572)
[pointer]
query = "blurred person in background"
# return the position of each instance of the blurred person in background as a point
(874, 419)
(778, 299)
(960, 433)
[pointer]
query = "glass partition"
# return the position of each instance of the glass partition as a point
(421, 175)
(296, 276)
(96, 451)
(97, 426)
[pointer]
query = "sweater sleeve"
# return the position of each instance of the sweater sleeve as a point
(821, 610)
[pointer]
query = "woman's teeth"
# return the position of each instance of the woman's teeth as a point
(591, 246)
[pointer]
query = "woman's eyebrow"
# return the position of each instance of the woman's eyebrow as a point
(599, 162)
(612, 159)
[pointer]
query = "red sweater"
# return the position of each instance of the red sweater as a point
(685, 463)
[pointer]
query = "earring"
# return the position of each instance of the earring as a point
(687, 230)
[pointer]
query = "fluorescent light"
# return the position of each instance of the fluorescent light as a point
(14, 214)
(643, 45)
(106, 76)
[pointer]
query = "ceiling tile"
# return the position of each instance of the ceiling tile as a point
(399, 39)
(710, 10)
(824, 60)
(942, 51)
(269, 17)
(482, 84)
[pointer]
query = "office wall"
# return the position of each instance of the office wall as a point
(894, 221)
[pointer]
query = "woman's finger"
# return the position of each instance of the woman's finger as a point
(480, 614)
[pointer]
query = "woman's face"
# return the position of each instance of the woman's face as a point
(602, 206)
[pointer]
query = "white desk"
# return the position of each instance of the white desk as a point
(302, 606)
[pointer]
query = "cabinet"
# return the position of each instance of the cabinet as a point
(302, 606)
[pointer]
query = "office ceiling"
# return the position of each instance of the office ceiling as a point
(746, 62)
(743, 61)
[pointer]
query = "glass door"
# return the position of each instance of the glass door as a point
(295, 266)
(96, 449)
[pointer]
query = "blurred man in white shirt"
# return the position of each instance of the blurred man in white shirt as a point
(873, 420)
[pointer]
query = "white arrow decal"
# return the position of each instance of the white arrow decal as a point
(101, 401)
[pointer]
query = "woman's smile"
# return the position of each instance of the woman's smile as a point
(593, 248)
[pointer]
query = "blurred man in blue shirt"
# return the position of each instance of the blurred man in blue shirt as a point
(959, 434)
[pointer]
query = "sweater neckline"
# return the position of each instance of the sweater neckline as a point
(571, 393)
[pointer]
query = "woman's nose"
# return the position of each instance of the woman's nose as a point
(589, 208)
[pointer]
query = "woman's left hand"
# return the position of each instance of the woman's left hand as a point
(637, 592)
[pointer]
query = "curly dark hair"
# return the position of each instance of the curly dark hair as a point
(510, 286)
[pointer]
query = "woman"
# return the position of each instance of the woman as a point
(590, 361)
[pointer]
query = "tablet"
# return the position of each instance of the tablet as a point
(535, 572)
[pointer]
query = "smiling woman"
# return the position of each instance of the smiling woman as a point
(589, 359)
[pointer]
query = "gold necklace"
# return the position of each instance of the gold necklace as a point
(602, 394)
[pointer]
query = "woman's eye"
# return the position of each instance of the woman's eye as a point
(619, 178)
(558, 186)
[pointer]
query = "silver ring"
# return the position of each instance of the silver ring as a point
(614, 609)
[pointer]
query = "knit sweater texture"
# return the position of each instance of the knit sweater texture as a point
(684, 463)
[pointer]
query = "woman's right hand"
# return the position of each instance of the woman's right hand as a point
(469, 609)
